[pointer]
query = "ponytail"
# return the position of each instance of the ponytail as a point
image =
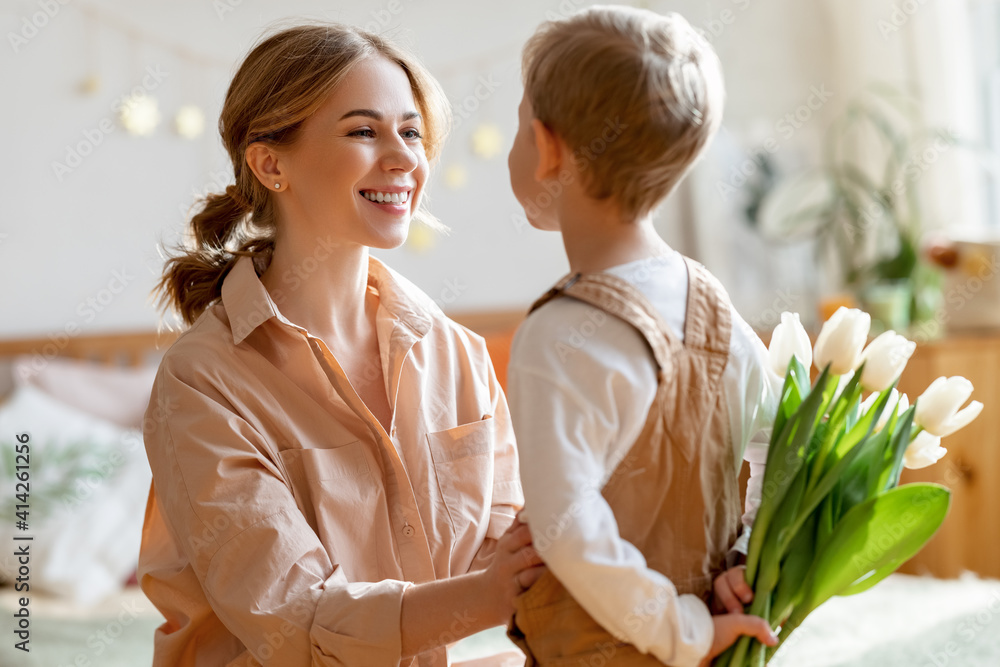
(218, 235)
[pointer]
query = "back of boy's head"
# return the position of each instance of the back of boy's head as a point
(634, 94)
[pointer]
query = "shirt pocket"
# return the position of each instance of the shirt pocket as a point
(463, 464)
(343, 502)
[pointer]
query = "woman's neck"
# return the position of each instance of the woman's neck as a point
(321, 286)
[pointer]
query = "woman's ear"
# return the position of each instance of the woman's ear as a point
(264, 163)
(549, 149)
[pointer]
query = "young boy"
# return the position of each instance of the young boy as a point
(635, 401)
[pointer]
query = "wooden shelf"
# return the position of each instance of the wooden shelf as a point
(970, 536)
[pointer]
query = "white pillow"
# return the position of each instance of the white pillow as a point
(118, 395)
(89, 481)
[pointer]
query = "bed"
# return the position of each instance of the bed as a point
(89, 612)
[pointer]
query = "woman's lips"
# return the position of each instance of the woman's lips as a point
(387, 207)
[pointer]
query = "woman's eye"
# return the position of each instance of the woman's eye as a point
(370, 133)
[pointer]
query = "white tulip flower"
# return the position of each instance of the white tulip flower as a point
(884, 359)
(841, 340)
(938, 407)
(789, 339)
(900, 401)
(925, 450)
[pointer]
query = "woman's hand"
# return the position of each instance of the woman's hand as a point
(515, 567)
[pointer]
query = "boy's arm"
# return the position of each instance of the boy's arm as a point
(758, 390)
(756, 455)
(564, 401)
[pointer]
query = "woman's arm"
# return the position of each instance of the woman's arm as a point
(507, 498)
(262, 568)
(440, 612)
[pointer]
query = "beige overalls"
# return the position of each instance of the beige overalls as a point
(675, 494)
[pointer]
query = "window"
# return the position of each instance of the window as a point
(986, 30)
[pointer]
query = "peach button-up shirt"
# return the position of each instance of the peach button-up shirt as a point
(284, 522)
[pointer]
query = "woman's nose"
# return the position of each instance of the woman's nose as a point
(397, 155)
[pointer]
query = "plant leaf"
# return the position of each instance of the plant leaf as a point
(872, 540)
(893, 465)
(794, 569)
(785, 458)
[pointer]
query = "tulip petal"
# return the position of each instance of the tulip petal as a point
(867, 404)
(841, 340)
(923, 458)
(963, 418)
(938, 406)
(925, 450)
(884, 359)
(789, 339)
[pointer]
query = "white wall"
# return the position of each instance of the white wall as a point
(62, 239)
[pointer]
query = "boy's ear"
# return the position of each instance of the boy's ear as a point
(549, 151)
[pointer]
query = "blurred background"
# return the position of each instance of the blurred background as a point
(856, 166)
(89, 195)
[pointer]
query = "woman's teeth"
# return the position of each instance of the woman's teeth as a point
(386, 197)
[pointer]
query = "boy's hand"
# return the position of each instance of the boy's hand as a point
(730, 627)
(731, 591)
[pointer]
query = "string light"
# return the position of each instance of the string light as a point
(189, 121)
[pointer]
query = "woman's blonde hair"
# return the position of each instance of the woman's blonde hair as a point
(634, 94)
(282, 81)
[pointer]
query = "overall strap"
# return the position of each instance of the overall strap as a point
(708, 320)
(620, 298)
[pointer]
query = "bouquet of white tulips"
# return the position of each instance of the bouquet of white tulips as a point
(833, 519)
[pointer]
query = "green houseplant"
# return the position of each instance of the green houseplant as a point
(862, 204)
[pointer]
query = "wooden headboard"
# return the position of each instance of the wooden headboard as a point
(135, 348)
(119, 349)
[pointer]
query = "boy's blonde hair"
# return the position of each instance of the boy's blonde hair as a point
(634, 94)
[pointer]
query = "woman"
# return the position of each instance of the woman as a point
(334, 472)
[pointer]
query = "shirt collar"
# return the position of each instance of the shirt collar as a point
(248, 303)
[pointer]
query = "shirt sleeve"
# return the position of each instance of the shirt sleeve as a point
(263, 569)
(507, 497)
(757, 390)
(565, 403)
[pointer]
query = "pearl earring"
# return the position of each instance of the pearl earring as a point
(277, 186)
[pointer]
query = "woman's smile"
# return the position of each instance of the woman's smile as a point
(394, 199)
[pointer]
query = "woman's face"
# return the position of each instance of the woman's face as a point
(363, 144)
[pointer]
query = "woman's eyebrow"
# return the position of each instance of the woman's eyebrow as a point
(377, 115)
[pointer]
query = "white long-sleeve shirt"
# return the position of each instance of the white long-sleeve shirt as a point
(581, 384)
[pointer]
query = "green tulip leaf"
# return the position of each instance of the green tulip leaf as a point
(872, 540)
(785, 458)
(839, 410)
(826, 519)
(795, 388)
(856, 485)
(893, 467)
(794, 568)
(863, 428)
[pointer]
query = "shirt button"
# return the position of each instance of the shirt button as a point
(408, 531)
(393, 432)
